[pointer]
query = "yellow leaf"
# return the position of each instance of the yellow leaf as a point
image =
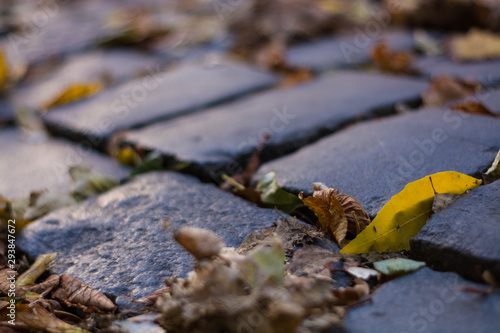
(476, 45)
(407, 212)
(74, 92)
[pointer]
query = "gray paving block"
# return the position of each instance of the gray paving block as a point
(96, 66)
(6, 111)
(155, 97)
(221, 139)
(426, 301)
(465, 237)
(487, 72)
(27, 167)
(374, 161)
(345, 50)
(117, 243)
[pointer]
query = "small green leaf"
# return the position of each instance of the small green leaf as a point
(270, 264)
(29, 277)
(274, 196)
(397, 267)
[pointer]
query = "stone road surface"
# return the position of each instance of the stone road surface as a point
(344, 128)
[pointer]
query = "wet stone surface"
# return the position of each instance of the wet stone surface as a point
(374, 161)
(154, 97)
(30, 167)
(426, 301)
(117, 242)
(345, 51)
(465, 236)
(221, 139)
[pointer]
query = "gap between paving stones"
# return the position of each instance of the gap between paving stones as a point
(219, 154)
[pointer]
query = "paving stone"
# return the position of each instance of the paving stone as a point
(221, 139)
(28, 166)
(489, 97)
(465, 236)
(374, 161)
(97, 66)
(345, 51)
(426, 301)
(6, 112)
(117, 243)
(487, 72)
(155, 97)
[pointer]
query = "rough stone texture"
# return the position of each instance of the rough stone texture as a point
(374, 161)
(27, 167)
(344, 51)
(98, 66)
(465, 237)
(155, 97)
(116, 242)
(426, 301)
(221, 139)
(487, 72)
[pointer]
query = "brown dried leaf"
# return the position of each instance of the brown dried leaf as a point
(357, 217)
(44, 287)
(475, 45)
(331, 216)
(40, 319)
(75, 292)
(473, 107)
(200, 243)
(351, 295)
(392, 61)
(151, 298)
(444, 89)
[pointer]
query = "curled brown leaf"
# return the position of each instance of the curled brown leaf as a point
(72, 291)
(444, 89)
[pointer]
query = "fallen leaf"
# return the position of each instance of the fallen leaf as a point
(327, 208)
(407, 212)
(74, 292)
(151, 298)
(270, 262)
(473, 107)
(273, 195)
(3, 70)
(493, 172)
(38, 318)
(392, 61)
(350, 209)
(475, 45)
(397, 267)
(74, 92)
(155, 160)
(128, 156)
(351, 295)
(444, 89)
(200, 243)
(87, 184)
(37, 269)
(362, 273)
